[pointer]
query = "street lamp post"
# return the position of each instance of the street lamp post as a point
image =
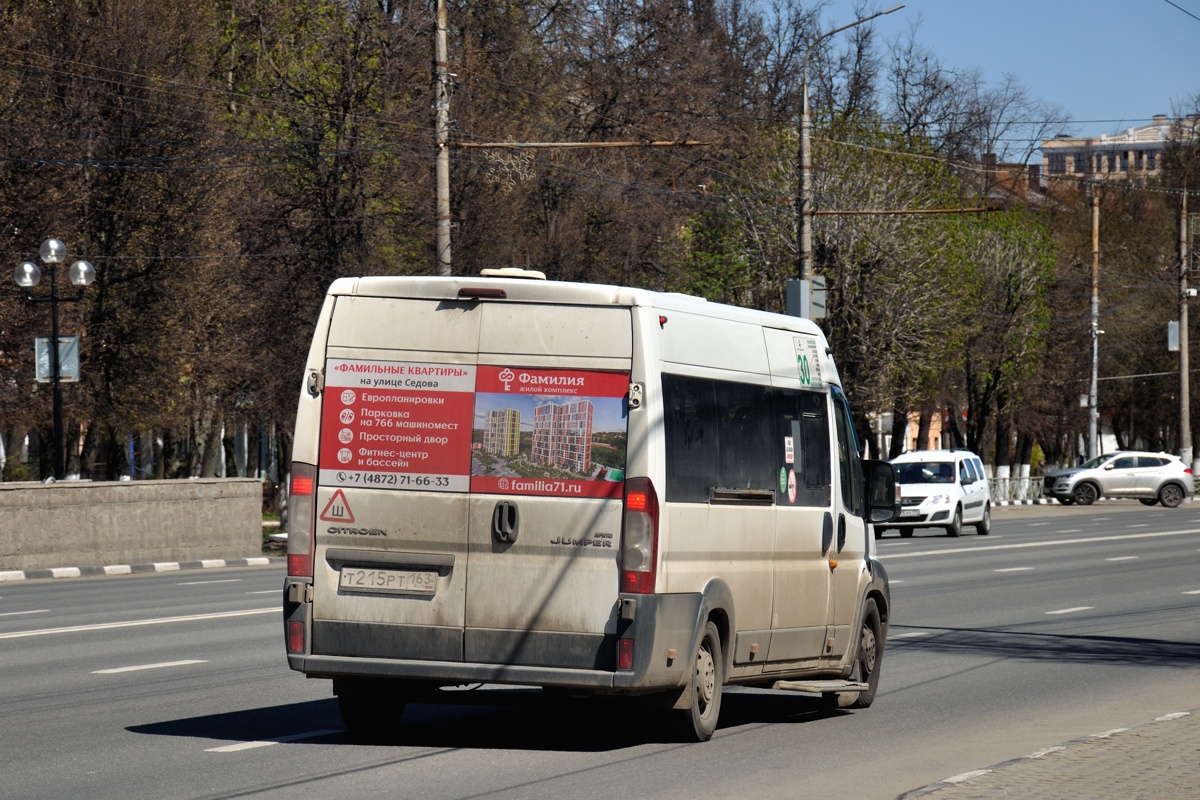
(27, 275)
(804, 200)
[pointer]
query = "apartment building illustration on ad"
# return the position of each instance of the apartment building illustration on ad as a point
(562, 435)
(502, 433)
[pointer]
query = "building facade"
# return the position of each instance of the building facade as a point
(1133, 155)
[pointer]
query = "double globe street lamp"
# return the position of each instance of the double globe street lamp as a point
(28, 275)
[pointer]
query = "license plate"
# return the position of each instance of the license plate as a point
(387, 581)
(909, 512)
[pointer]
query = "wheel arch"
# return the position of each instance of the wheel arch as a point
(718, 607)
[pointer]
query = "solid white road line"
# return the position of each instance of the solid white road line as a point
(1071, 610)
(203, 583)
(233, 748)
(1123, 558)
(17, 613)
(1050, 543)
(115, 670)
(1014, 569)
(104, 626)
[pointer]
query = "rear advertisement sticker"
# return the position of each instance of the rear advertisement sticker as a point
(396, 425)
(454, 428)
(549, 432)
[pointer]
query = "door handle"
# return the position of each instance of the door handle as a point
(506, 519)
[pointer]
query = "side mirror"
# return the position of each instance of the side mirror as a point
(883, 493)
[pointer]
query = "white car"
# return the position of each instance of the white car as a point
(941, 489)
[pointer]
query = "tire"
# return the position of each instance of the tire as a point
(698, 721)
(370, 709)
(984, 526)
(1170, 495)
(955, 526)
(1066, 500)
(906, 533)
(868, 658)
(1148, 501)
(1085, 494)
(879, 532)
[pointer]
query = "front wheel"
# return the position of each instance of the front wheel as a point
(984, 526)
(1170, 495)
(955, 526)
(699, 718)
(1085, 494)
(867, 660)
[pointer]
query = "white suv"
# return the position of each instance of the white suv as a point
(941, 489)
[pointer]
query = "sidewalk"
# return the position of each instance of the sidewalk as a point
(1158, 760)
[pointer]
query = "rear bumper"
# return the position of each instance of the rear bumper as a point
(660, 624)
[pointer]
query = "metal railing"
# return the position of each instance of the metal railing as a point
(1010, 489)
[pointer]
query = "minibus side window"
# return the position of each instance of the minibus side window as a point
(724, 434)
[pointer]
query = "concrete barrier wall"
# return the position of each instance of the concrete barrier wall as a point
(87, 524)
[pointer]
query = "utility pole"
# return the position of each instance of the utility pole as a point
(1185, 422)
(1093, 448)
(441, 93)
(804, 198)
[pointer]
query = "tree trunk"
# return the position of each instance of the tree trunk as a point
(899, 430)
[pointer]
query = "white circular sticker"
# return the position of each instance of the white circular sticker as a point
(344, 455)
(791, 485)
(345, 436)
(347, 416)
(348, 396)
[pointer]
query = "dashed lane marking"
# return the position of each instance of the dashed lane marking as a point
(139, 667)
(233, 748)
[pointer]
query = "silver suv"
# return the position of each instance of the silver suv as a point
(1150, 477)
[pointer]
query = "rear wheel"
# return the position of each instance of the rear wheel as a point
(955, 526)
(1148, 501)
(1170, 495)
(698, 720)
(370, 709)
(984, 526)
(1085, 494)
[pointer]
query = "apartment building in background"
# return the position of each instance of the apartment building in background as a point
(1133, 155)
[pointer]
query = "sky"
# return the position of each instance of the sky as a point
(1110, 64)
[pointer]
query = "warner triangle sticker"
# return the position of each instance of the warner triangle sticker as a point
(337, 509)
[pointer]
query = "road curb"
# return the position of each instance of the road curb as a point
(136, 569)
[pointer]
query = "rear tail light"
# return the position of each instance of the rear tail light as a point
(625, 654)
(639, 537)
(295, 637)
(302, 520)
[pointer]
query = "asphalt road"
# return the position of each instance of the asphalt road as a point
(1062, 623)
